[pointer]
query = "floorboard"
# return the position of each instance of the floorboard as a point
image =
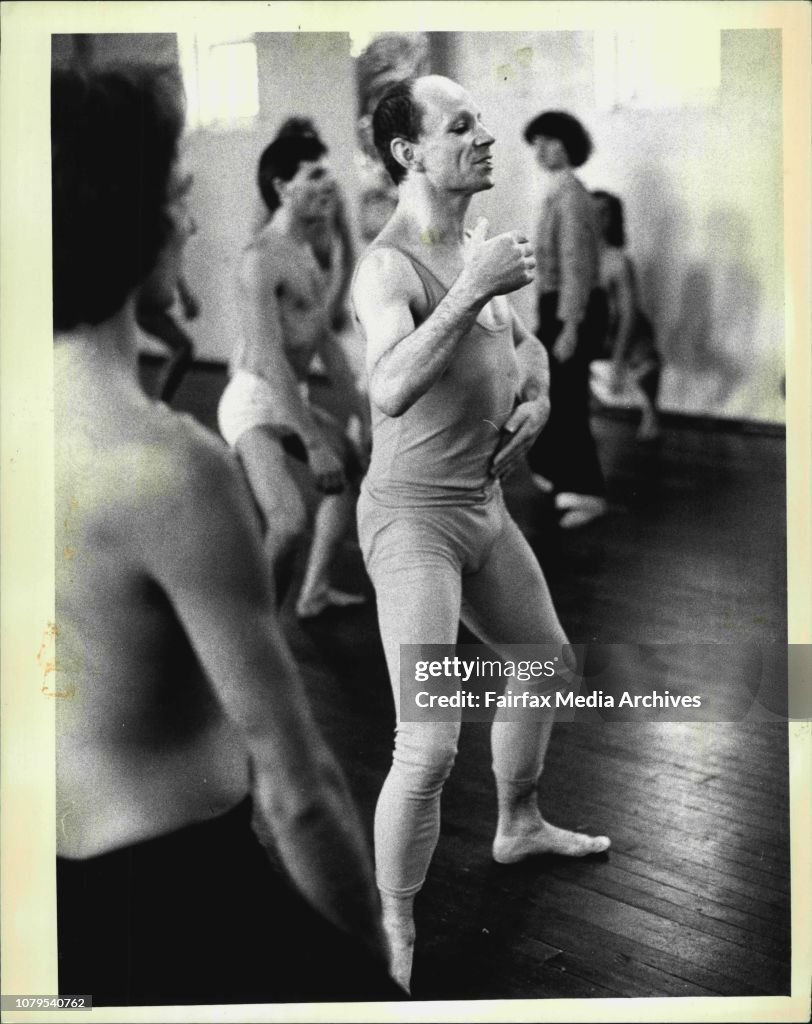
(693, 897)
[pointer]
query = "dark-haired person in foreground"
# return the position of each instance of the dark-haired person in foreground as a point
(572, 318)
(182, 731)
(295, 454)
(459, 392)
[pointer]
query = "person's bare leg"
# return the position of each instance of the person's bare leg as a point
(333, 520)
(277, 496)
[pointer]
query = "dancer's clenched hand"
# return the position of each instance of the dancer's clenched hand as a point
(498, 265)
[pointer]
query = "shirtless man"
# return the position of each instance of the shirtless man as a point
(181, 720)
(459, 392)
(265, 414)
(330, 239)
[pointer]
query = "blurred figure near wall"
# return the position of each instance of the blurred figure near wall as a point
(153, 314)
(629, 345)
(571, 319)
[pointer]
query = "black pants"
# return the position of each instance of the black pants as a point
(565, 451)
(202, 916)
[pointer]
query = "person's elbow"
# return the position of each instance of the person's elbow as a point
(295, 805)
(389, 397)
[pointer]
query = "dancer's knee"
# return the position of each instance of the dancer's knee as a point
(426, 755)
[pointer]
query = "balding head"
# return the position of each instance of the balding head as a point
(431, 90)
(410, 108)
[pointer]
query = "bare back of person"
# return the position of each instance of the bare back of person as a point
(143, 746)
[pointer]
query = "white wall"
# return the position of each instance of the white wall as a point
(703, 195)
(702, 188)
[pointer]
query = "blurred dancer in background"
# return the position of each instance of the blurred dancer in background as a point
(331, 238)
(572, 318)
(296, 454)
(153, 315)
(630, 340)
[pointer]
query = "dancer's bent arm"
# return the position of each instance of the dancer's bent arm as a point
(531, 413)
(404, 361)
(207, 556)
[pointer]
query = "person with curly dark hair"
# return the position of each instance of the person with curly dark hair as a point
(331, 241)
(571, 318)
(296, 455)
(207, 847)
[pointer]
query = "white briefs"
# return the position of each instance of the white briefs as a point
(249, 401)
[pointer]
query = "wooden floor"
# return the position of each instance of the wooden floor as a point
(693, 898)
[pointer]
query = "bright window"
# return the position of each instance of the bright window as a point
(220, 77)
(651, 69)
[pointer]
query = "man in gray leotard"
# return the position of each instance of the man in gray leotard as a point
(459, 393)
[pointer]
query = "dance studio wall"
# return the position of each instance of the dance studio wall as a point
(702, 188)
(703, 193)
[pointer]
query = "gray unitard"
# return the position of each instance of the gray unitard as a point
(439, 545)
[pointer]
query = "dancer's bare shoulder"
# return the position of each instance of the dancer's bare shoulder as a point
(386, 278)
(149, 482)
(192, 476)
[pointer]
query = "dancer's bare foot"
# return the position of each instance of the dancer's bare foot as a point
(314, 604)
(547, 838)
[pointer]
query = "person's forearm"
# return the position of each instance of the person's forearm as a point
(576, 268)
(535, 378)
(572, 302)
(534, 364)
(626, 319)
(623, 340)
(317, 834)
(410, 367)
(187, 298)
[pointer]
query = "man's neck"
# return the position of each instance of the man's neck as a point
(289, 226)
(558, 178)
(109, 348)
(437, 218)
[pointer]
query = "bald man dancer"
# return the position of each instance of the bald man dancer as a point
(459, 393)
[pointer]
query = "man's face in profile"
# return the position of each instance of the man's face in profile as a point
(311, 194)
(454, 148)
